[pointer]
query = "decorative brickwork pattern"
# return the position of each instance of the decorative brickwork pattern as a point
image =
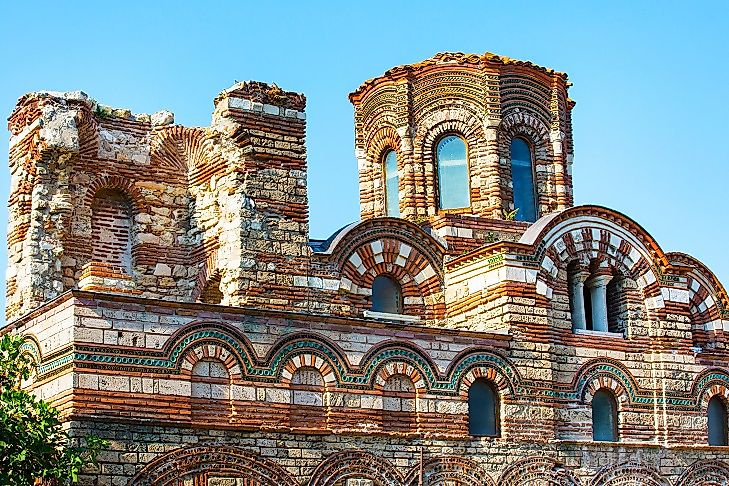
(173, 301)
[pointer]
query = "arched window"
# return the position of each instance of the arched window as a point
(386, 295)
(604, 417)
(392, 184)
(522, 177)
(453, 184)
(717, 422)
(111, 225)
(483, 409)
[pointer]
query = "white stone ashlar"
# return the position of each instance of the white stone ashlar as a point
(598, 299)
(577, 285)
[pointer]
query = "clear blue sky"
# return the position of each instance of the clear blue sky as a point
(650, 81)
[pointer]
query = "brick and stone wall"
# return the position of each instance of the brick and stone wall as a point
(173, 301)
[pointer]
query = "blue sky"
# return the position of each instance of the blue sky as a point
(650, 78)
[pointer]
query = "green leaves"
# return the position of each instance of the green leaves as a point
(33, 444)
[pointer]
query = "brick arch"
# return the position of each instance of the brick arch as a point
(383, 139)
(605, 373)
(420, 280)
(121, 184)
(216, 336)
(394, 368)
(489, 373)
(32, 348)
(591, 233)
(483, 363)
(210, 351)
(532, 129)
(629, 474)
(355, 464)
(708, 301)
(705, 473)
(463, 121)
(540, 470)
(710, 383)
(308, 360)
(197, 463)
(609, 383)
(448, 471)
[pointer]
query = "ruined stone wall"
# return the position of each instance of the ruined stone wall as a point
(105, 200)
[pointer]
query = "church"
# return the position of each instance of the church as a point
(474, 327)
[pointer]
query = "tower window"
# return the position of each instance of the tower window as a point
(604, 417)
(717, 422)
(483, 409)
(453, 185)
(386, 295)
(522, 176)
(392, 184)
(111, 224)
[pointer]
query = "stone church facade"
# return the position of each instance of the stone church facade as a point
(473, 328)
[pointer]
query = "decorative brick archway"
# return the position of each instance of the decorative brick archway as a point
(204, 463)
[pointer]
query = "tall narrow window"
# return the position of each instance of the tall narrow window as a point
(717, 422)
(522, 176)
(483, 409)
(453, 187)
(386, 295)
(604, 417)
(392, 184)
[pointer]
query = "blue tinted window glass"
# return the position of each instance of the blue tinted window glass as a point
(604, 417)
(392, 185)
(453, 186)
(483, 409)
(522, 176)
(717, 422)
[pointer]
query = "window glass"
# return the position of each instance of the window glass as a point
(483, 409)
(717, 422)
(522, 176)
(453, 187)
(604, 417)
(386, 295)
(392, 185)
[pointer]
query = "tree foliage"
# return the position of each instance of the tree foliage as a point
(34, 447)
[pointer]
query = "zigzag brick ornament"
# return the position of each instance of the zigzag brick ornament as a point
(473, 328)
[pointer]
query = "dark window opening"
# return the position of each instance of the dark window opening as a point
(615, 297)
(522, 177)
(483, 409)
(717, 422)
(587, 299)
(604, 417)
(386, 295)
